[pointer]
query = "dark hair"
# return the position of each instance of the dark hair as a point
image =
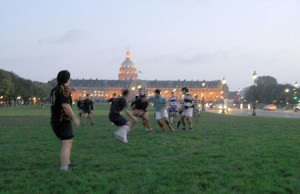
(185, 89)
(63, 77)
(125, 92)
(114, 94)
(157, 91)
(141, 89)
(87, 94)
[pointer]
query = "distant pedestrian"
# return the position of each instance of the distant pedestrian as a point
(80, 106)
(196, 106)
(88, 109)
(61, 116)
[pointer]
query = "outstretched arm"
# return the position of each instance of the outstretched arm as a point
(130, 115)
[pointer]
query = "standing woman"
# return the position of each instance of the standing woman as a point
(61, 117)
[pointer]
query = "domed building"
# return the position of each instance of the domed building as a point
(102, 89)
(127, 69)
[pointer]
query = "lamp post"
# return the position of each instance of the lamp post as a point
(223, 84)
(286, 97)
(203, 85)
(238, 97)
(254, 76)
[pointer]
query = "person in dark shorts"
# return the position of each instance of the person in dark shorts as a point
(88, 107)
(139, 106)
(118, 105)
(61, 116)
(80, 106)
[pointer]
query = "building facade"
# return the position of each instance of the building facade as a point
(102, 90)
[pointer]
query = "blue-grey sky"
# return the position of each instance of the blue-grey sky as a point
(168, 39)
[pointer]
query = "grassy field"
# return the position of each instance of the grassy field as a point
(224, 154)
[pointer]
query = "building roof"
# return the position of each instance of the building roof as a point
(149, 83)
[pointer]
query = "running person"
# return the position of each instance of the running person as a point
(61, 116)
(160, 106)
(196, 103)
(117, 106)
(139, 109)
(80, 106)
(187, 108)
(112, 99)
(87, 109)
(173, 107)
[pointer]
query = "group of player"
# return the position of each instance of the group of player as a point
(186, 108)
(62, 113)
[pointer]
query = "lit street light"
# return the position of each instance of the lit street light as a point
(203, 85)
(254, 76)
(238, 96)
(223, 84)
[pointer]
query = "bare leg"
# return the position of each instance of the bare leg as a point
(65, 153)
(91, 119)
(169, 125)
(190, 122)
(183, 121)
(161, 125)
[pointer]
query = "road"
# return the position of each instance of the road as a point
(277, 113)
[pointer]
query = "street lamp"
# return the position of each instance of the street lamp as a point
(223, 84)
(254, 76)
(286, 96)
(238, 96)
(203, 85)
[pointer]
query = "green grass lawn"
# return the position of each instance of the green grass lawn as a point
(224, 154)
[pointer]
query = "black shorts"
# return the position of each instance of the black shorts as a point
(63, 130)
(87, 111)
(117, 119)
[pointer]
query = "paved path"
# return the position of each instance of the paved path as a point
(277, 113)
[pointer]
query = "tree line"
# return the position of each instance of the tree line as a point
(13, 87)
(266, 90)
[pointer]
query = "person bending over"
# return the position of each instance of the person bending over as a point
(118, 105)
(139, 106)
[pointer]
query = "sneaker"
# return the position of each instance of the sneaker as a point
(183, 128)
(126, 130)
(151, 130)
(120, 134)
(191, 129)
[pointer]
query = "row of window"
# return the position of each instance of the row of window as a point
(128, 66)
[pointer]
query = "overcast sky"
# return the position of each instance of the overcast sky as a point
(168, 39)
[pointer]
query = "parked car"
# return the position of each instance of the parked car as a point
(220, 107)
(297, 108)
(270, 107)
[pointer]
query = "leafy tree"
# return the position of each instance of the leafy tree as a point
(6, 84)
